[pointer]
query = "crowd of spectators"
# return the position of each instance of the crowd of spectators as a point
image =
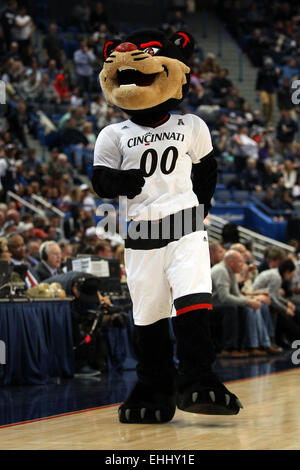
(53, 95)
(256, 307)
(269, 32)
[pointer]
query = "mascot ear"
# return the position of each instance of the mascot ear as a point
(185, 42)
(109, 47)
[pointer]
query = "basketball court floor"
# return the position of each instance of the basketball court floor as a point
(82, 414)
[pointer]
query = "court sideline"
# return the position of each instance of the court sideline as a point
(270, 420)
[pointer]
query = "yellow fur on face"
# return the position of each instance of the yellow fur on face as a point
(142, 97)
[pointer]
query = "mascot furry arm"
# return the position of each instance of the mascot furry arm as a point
(204, 178)
(110, 183)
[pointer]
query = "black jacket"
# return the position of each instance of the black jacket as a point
(43, 272)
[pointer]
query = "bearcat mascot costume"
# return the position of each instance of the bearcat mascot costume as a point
(164, 164)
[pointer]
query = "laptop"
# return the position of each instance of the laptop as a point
(107, 269)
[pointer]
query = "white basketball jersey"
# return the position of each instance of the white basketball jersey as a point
(164, 153)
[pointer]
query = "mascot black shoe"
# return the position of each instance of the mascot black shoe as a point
(163, 165)
(153, 398)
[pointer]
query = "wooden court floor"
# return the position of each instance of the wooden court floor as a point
(270, 420)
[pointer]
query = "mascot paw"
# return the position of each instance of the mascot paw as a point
(132, 182)
(210, 398)
(145, 405)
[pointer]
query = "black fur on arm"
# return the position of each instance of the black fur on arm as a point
(110, 183)
(204, 178)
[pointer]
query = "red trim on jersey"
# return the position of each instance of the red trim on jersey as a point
(161, 121)
(151, 43)
(105, 48)
(186, 38)
(194, 307)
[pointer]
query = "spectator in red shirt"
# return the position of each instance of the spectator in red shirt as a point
(61, 87)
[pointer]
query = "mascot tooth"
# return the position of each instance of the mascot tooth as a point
(165, 166)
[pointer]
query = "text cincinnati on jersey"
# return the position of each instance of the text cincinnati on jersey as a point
(149, 138)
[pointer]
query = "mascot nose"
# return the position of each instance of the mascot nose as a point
(126, 47)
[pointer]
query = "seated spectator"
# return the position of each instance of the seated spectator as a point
(286, 130)
(290, 70)
(46, 92)
(216, 253)
(73, 225)
(210, 67)
(7, 20)
(84, 59)
(24, 29)
(77, 97)
(199, 96)
(222, 140)
(289, 174)
(87, 131)
(243, 148)
(177, 23)
(71, 135)
(257, 47)
(98, 15)
(270, 174)
(32, 252)
(228, 300)
(270, 199)
(53, 46)
(52, 71)
(285, 202)
(98, 109)
(5, 254)
(220, 84)
(61, 87)
(26, 230)
(50, 264)
(288, 317)
(13, 52)
(67, 170)
(17, 249)
(18, 122)
(230, 234)
(250, 178)
(29, 89)
(66, 252)
(284, 98)
(103, 249)
(81, 14)
(88, 202)
(31, 163)
(110, 117)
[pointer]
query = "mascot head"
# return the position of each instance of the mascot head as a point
(148, 73)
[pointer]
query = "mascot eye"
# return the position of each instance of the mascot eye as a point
(151, 50)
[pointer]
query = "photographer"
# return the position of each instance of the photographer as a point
(92, 315)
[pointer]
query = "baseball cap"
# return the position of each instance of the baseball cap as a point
(90, 232)
(24, 227)
(84, 187)
(39, 233)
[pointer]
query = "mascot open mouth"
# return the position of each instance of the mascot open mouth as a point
(130, 76)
